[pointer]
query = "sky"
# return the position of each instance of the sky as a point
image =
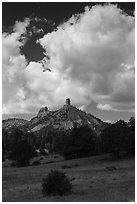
(82, 51)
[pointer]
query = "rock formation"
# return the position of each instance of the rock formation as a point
(43, 111)
(66, 118)
(13, 122)
(68, 101)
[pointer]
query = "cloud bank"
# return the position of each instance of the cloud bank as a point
(91, 60)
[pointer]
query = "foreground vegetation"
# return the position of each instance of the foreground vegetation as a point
(110, 177)
(94, 179)
(21, 145)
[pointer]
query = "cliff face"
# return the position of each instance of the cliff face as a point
(13, 122)
(66, 118)
(42, 112)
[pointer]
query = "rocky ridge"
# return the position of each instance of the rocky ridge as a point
(65, 118)
(13, 122)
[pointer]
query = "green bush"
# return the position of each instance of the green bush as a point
(56, 183)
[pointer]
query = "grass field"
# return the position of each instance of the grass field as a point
(92, 180)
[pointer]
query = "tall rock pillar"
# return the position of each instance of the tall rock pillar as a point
(68, 101)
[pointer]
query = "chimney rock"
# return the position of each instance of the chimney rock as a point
(68, 101)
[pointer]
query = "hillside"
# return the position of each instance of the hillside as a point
(67, 117)
(13, 122)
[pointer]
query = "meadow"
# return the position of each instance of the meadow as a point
(94, 179)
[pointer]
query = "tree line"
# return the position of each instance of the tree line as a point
(79, 142)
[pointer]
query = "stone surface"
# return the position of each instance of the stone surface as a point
(66, 118)
(68, 101)
(43, 111)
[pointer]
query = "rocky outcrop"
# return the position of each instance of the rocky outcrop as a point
(67, 101)
(65, 118)
(13, 122)
(42, 112)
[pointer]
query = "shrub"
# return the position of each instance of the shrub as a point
(50, 162)
(66, 167)
(56, 183)
(13, 164)
(55, 157)
(35, 163)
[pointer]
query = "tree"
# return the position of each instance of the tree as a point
(83, 142)
(60, 141)
(22, 153)
(130, 145)
(116, 138)
(15, 136)
(5, 140)
(80, 142)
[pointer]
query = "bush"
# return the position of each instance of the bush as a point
(13, 164)
(56, 183)
(66, 167)
(49, 162)
(35, 163)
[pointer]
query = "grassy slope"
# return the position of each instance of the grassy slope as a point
(92, 183)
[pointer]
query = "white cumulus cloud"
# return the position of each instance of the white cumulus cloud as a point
(91, 59)
(96, 48)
